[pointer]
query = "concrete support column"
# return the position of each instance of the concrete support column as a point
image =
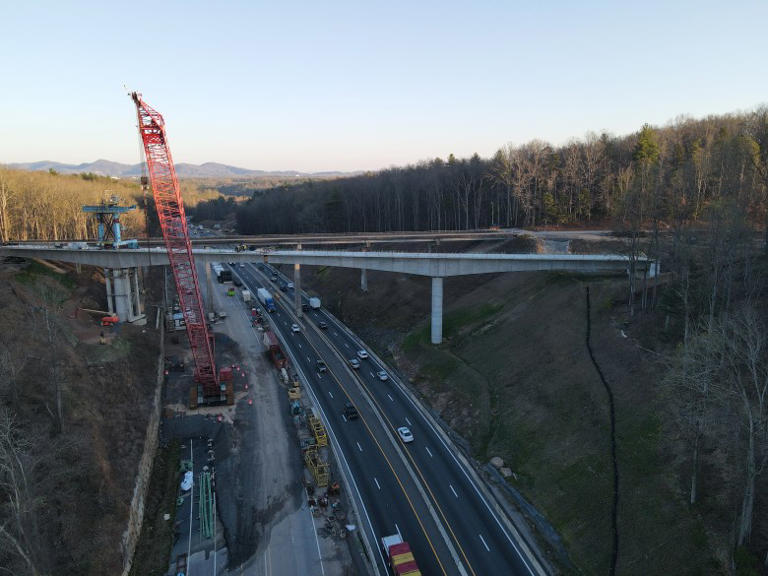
(363, 271)
(297, 287)
(209, 287)
(108, 283)
(136, 293)
(121, 288)
(437, 310)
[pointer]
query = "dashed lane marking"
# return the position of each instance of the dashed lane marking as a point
(359, 447)
(453, 490)
(428, 451)
(390, 397)
(377, 483)
(483, 541)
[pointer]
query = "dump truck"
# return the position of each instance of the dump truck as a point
(314, 303)
(399, 556)
(266, 299)
(274, 350)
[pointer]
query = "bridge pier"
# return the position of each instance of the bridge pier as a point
(437, 310)
(297, 287)
(123, 297)
(363, 280)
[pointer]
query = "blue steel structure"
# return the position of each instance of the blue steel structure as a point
(108, 216)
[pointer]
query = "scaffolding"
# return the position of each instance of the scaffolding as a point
(317, 428)
(317, 466)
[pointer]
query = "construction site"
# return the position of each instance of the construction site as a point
(253, 460)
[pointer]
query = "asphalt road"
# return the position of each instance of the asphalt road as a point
(467, 529)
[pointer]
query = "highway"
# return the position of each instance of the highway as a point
(477, 537)
(381, 480)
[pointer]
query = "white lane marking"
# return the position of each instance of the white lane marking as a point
(344, 417)
(309, 359)
(335, 333)
(409, 422)
(390, 397)
(377, 483)
(483, 541)
(359, 447)
(428, 451)
(452, 490)
(330, 393)
(345, 344)
(371, 373)
(299, 344)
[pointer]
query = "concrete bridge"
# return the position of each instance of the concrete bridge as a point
(121, 267)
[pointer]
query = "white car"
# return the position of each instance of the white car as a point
(295, 328)
(405, 434)
(362, 354)
(382, 375)
(355, 363)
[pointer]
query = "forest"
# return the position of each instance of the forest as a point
(665, 174)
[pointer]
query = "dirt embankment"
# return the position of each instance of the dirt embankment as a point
(515, 379)
(80, 453)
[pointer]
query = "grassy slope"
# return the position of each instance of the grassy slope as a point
(515, 379)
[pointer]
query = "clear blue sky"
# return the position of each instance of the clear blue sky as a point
(327, 85)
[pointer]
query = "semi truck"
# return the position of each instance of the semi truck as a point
(399, 556)
(266, 299)
(273, 349)
(314, 303)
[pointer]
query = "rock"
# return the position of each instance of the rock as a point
(506, 472)
(497, 462)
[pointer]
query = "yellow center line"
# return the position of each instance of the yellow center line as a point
(392, 469)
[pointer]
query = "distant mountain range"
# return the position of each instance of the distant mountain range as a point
(183, 170)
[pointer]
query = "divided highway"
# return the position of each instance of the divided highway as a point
(420, 489)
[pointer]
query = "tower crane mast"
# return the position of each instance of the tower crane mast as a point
(170, 211)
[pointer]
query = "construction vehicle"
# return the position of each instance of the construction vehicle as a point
(173, 223)
(110, 320)
(399, 556)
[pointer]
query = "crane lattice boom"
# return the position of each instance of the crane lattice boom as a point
(170, 211)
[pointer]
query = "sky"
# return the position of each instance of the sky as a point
(327, 85)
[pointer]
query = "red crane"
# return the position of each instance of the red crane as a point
(170, 211)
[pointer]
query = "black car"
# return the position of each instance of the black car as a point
(274, 277)
(350, 412)
(322, 325)
(321, 367)
(236, 281)
(305, 307)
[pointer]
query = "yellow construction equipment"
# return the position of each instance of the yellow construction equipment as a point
(317, 466)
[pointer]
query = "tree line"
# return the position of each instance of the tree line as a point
(662, 173)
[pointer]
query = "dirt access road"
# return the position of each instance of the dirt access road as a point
(270, 499)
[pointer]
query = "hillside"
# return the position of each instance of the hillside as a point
(183, 170)
(81, 455)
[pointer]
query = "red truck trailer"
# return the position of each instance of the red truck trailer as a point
(274, 351)
(399, 556)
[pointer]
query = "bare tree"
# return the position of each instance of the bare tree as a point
(18, 527)
(745, 360)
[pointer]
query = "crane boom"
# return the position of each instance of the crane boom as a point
(170, 211)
